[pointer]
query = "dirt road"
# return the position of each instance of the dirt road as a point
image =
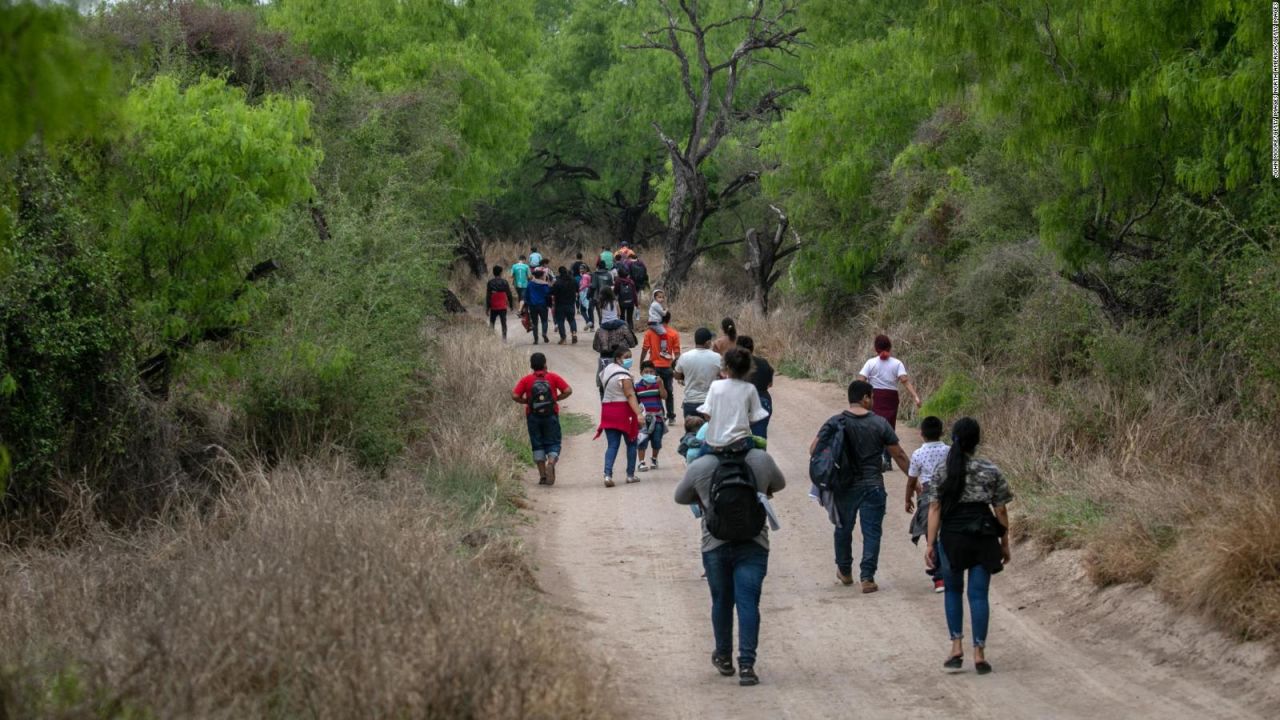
(624, 564)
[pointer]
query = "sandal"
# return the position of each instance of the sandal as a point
(955, 662)
(983, 667)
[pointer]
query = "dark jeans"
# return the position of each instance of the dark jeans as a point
(495, 315)
(544, 435)
(564, 313)
(762, 428)
(588, 314)
(735, 574)
(669, 382)
(690, 409)
(953, 602)
(867, 502)
(616, 438)
(628, 314)
(538, 313)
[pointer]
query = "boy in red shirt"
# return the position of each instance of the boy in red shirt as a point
(498, 299)
(541, 392)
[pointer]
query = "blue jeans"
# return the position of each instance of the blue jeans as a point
(616, 438)
(953, 602)
(654, 438)
(735, 574)
(690, 409)
(868, 503)
(761, 428)
(544, 435)
(538, 314)
(565, 314)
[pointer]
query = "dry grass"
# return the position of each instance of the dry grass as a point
(309, 589)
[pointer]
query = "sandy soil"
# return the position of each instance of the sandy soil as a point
(623, 564)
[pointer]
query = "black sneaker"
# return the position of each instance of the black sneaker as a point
(747, 676)
(723, 664)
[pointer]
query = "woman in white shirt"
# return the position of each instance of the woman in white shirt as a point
(884, 372)
(732, 404)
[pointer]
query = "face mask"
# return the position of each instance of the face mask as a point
(627, 363)
(649, 378)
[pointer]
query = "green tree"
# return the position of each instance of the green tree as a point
(205, 180)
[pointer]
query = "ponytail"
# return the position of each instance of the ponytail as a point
(965, 436)
(730, 329)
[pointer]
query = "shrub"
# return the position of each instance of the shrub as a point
(65, 367)
(952, 399)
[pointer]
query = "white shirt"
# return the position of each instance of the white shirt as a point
(700, 367)
(733, 405)
(612, 376)
(883, 374)
(926, 460)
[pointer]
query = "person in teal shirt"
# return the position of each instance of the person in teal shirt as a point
(607, 256)
(520, 274)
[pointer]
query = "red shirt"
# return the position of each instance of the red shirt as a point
(525, 387)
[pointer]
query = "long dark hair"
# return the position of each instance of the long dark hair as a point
(730, 328)
(965, 436)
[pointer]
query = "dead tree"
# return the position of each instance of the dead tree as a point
(767, 257)
(470, 247)
(711, 90)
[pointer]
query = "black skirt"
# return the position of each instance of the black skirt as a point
(964, 542)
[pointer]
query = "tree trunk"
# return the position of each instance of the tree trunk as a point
(471, 247)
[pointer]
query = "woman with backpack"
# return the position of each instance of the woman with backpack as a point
(968, 533)
(627, 295)
(620, 413)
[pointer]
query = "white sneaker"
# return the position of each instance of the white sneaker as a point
(654, 465)
(608, 481)
(642, 467)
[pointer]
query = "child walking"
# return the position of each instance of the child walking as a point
(925, 462)
(651, 393)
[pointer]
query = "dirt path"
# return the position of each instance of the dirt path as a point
(624, 563)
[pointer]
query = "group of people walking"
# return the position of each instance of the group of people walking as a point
(605, 291)
(957, 500)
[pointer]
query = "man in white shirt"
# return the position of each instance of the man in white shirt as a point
(696, 370)
(885, 372)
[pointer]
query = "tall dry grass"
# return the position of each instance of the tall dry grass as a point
(1147, 463)
(309, 589)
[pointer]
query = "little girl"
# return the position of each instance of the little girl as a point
(658, 312)
(732, 404)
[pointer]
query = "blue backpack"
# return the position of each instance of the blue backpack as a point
(829, 468)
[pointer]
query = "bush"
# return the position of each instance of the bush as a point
(65, 361)
(952, 399)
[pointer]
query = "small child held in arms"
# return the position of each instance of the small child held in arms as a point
(651, 393)
(925, 462)
(658, 312)
(694, 433)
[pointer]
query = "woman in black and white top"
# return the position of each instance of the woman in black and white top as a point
(968, 533)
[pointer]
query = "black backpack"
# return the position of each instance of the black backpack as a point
(639, 274)
(626, 292)
(600, 279)
(542, 399)
(735, 513)
(829, 465)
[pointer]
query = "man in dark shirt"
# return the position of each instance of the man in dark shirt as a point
(867, 437)
(762, 377)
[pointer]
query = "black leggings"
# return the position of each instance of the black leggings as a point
(563, 314)
(628, 314)
(495, 315)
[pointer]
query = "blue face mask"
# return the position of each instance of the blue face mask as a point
(627, 363)
(649, 378)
